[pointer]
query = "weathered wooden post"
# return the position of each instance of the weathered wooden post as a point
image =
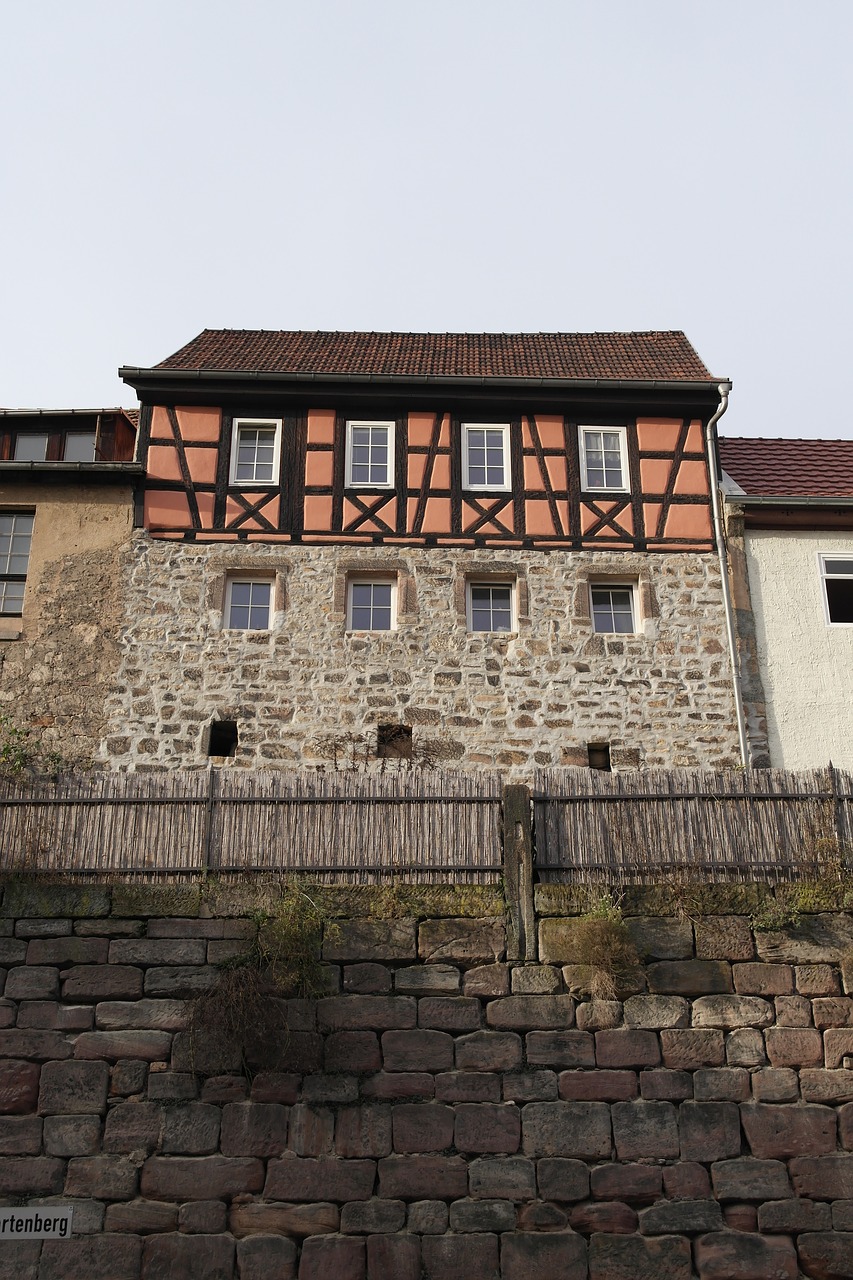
(518, 873)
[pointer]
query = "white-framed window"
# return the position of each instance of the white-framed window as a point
(16, 535)
(31, 446)
(490, 606)
(248, 604)
(254, 450)
(613, 607)
(837, 574)
(604, 459)
(371, 604)
(485, 455)
(370, 455)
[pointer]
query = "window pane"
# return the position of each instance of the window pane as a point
(603, 459)
(612, 610)
(843, 567)
(79, 446)
(839, 597)
(370, 606)
(11, 597)
(255, 454)
(15, 538)
(370, 455)
(491, 608)
(250, 606)
(486, 463)
(31, 448)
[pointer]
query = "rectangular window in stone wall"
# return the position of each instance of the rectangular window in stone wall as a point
(613, 608)
(248, 604)
(16, 533)
(490, 606)
(371, 604)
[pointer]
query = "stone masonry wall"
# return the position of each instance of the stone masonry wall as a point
(440, 1114)
(660, 698)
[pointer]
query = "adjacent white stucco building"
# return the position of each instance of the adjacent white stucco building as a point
(790, 526)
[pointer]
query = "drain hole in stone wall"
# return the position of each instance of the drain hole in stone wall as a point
(599, 755)
(394, 741)
(223, 738)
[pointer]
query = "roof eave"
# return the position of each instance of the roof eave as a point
(786, 500)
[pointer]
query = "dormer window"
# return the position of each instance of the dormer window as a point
(56, 446)
(485, 455)
(255, 451)
(370, 455)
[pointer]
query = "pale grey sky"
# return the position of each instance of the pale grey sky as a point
(172, 165)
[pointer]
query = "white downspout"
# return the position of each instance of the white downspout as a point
(711, 440)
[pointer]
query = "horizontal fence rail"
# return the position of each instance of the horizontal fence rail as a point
(356, 828)
(631, 827)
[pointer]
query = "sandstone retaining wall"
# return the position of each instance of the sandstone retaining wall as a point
(440, 1113)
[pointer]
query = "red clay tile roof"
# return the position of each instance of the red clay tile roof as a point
(789, 468)
(663, 356)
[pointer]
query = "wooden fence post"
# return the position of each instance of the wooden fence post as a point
(518, 873)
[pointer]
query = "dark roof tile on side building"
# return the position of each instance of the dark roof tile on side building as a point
(654, 356)
(789, 468)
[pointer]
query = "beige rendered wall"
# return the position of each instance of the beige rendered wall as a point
(57, 662)
(806, 664)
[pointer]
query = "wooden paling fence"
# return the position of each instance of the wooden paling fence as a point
(354, 828)
(431, 826)
(628, 828)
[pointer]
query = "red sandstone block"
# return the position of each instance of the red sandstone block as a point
(616, 1257)
(144, 1046)
(31, 1176)
(816, 980)
(606, 1215)
(96, 1257)
(272, 1086)
(133, 1126)
(341, 1257)
(326, 1178)
(21, 1136)
(526, 1013)
(489, 1051)
(514, 1178)
(686, 1181)
(262, 1257)
(625, 1047)
(310, 1130)
(399, 1084)
(463, 1257)
(19, 1086)
(709, 1130)
(763, 979)
(577, 1129)
(794, 1046)
(835, 1011)
(396, 1257)
(845, 1126)
(102, 982)
(254, 1129)
(417, 1051)
(837, 1044)
(366, 1013)
(640, 1183)
(777, 1133)
(272, 1218)
(539, 1215)
(560, 1049)
(352, 1051)
(44, 1046)
(686, 1050)
(485, 1127)
(731, 1255)
(141, 1217)
(689, 977)
(645, 1130)
(101, 1177)
(666, 1085)
(449, 1013)
(372, 1217)
(525, 1256)
(828, 1177)
(63, 951)
(73, 1088)
(598, 1086)
(423, 1177)
(487, 981)
(199, 1177)
(422, 1126)
(363, 1132)
(468, 1086)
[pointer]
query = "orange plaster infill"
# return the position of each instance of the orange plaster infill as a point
(319, 469)
(163, 463)
(557, 472)
(691, 478)
(269, 537)
(550, 430)
(166, 508)
(317, 511)
(532, 474)
(625, 520)
(202, 465)
(234, 510)
(417, 467)
(205, 509)
(695, 439)
(688, 520)
(420, 428)
(537, 518)
(651, 515)
(321, 426)
(440, 472)
(160, 424)
(658, 433)
(654, 475)
(436, 516)
(199, 424)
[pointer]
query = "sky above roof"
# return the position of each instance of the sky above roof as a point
(481, 167)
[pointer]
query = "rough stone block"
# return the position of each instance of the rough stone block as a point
(173, 1256)
(681, 1217)
(486, 981)
(626, 1047)
(399, 1084)
(578, 1129)
(427, 1218)
(826, 1086)
(758, 979)
(661, 937)
(487, 1128)
(203, 1217)
(417, 1051)
(40, 1045)
(393, 1257)
(72, 1135)
(598, 1086)
(200, 1177)
(842, 1215)
(745, 1048)
(618, 1257)
(655, 1012)
(73, 1088)
(19, 1087)
(98, 1257)
(826, 1255)
(731, 1012)
(689, 1049)
(709, 1130)
(845, 1126)
(144, 1046)
(598, 1015)
(20, 1136)
(640, 1183)
(261, 1257)
(67, 951)
(828, 1177)
(463, 942)
(191, 1129)
(686, 1180)
(55, 901)
(489, 1051)
(141, 1217)
(366, 1217)
(253, 1129)
(793, 1011)
(298, 1220)
(526, 1013)
(463, 1257)
(777, 1133)
(449, 1013)
(721, 1084)
(794, 1046)
(172, 1086)
(343, 1257)
(181, 900)
(816, 980)
(690, 977)
(428, 979)
(606, 1215)
(530, 1086)
(295, 1178)
(775, 1084)
(816, 939)
(101, 982)
(31, 1176)
(837, 1045)
(157, 951)
(468, 1086)
(338, 1089)
(102, 1177)
(133, 1126)
(29, 983)
(268, 1086)
(739, 1255)
(746, 1178)
(367, 1013)
(50, 1015)
(367, 979)
(536, 980)
(482, 1215)
(363, 1132)
(666, 1085)
(421, 1127)
(180, 982)
(146, 1015)
(791, 1216)
(724, 938)
(505, 1179)
(352, 1051)
(525, 1255)
(422, 1177)
(374, 940)
(561, 1048)
(836, 1011)
(645, 1130)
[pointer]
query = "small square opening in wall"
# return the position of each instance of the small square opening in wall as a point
(598, 754)
(394, 741)
(222, 738)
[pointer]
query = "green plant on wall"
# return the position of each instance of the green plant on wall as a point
(247, 1008)
(24, 754)
(602, 946)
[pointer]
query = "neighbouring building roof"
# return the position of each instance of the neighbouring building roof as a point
(655, 356)
(789, 468)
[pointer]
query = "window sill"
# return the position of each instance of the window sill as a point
(11, 630)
